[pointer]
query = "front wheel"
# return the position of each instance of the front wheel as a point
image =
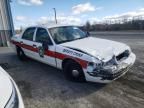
(74, 72)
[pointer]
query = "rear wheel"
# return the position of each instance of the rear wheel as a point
(21, 54)
(73, 72)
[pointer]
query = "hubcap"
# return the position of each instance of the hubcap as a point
(75, 73)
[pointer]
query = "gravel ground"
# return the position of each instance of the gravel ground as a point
(43, 86)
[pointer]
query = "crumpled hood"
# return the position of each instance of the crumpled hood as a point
(100, 48)
(5, 88)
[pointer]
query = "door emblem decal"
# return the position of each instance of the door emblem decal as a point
(41, 51)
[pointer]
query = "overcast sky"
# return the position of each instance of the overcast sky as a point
(32, 12)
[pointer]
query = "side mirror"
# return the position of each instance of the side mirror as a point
(45, 45)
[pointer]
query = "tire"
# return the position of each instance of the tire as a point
(73, 72)
(21, 54)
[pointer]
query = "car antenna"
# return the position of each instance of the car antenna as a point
(55, 15)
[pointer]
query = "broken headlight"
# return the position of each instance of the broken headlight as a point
(100, 68)
(95, 65)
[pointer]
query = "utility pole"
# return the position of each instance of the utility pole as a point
(55, 15)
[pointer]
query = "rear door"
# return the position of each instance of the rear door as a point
(45, 56)
(27, 42)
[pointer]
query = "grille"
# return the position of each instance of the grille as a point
(123, 55)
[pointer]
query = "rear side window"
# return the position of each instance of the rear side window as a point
(43, 36)
(28, 34)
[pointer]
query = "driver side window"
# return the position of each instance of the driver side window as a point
(43, 36)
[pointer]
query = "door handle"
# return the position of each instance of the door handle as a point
(21, 42)
(34, 46)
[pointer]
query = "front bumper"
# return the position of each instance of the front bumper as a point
(103, 77)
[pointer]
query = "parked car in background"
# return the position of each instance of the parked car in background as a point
(10, 96)
(79, 55)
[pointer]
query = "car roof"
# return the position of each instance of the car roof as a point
(52, 26)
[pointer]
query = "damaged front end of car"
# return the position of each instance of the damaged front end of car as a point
(113, 68)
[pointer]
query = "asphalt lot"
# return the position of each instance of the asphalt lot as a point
(43, 86)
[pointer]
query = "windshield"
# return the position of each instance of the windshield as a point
(66, 34)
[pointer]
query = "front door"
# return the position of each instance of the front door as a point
(42, 40)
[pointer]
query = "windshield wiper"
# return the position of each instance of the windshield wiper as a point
(71, 40)
(65, 41)
(81, 38)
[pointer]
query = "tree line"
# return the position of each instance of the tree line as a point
(126, 25)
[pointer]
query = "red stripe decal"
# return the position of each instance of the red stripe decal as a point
(60, 56)
(83, 63)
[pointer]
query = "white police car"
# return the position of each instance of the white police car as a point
(79, 55)
(9, 94)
